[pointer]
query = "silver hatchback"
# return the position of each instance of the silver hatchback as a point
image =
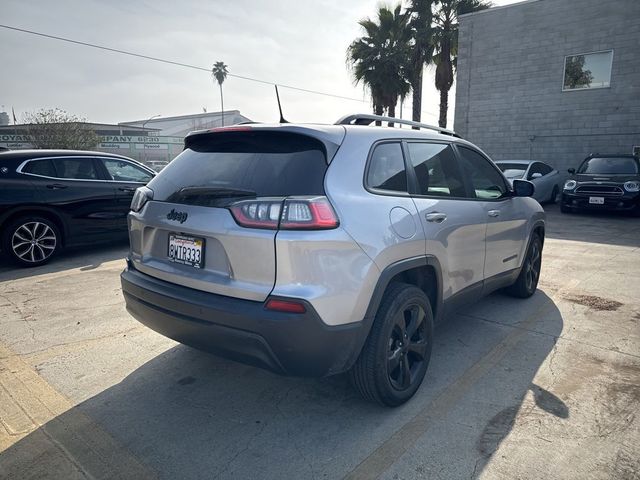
(313, 250)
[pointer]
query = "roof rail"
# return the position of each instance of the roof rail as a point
(368, 119)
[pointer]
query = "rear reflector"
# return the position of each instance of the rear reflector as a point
(285, 306)
(291, 213)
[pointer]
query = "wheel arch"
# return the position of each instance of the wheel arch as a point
(41, 211)
(424, 272)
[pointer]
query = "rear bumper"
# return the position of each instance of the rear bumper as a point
(620, 203)
(242, 330)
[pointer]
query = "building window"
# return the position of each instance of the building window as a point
(587, 70)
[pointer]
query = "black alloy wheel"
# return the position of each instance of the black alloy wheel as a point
(395, 357)
(407, 346)
(527, 281)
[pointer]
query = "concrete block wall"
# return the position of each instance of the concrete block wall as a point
(509, 98)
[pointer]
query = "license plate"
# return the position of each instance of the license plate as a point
(596, 200)
(186, 250)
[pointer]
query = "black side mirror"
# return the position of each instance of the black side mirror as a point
(523, 188)
(571, 171)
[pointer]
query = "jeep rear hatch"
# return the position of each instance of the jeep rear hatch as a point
(216, 208)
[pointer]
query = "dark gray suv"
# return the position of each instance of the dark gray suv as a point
(318, 249)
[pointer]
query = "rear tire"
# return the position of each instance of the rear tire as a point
(395, 357)
(31, 241)
(527, 281)
(554, 195)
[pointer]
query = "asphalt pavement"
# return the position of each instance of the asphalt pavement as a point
(547, 387)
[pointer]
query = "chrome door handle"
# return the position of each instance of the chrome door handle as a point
(494, 213)
(436, 217)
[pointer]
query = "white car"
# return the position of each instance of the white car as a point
(547, 180)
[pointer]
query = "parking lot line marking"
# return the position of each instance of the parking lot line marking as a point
(40, 425)
(383, 457)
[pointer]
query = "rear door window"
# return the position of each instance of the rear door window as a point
(387, 169)
(75, 168)
(222, 166)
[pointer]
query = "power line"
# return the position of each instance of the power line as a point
(185, 65)
(179, 64)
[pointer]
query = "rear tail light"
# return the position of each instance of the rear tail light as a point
(292, 213)
(308, 214)
(286, 306)
(140, 197)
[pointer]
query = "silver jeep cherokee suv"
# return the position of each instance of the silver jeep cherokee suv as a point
(312, 250)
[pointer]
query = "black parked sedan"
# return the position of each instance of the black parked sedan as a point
(50, 199)
(603, 182)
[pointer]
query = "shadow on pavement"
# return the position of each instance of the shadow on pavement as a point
(85, 258)
(186, 414)
(611, 228)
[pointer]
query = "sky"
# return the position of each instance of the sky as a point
(289, 42)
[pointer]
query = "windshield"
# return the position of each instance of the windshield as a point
(512, 170)
(609, 166)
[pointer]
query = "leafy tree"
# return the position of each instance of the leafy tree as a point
(575, 75)
(422, 51)
(219, 73)
(380, 58)
(55, 128)
(445, 41)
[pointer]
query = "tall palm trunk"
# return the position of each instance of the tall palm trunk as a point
(392, 112)
(222, 104)
(378, 110)
(416, 87)
(444, 105)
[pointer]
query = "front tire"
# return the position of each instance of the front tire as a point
(554, 195)
(31, 241)
(527, 281)
(395, 357)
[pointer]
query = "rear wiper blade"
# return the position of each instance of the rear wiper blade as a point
(216, 192)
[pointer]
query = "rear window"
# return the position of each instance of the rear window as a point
(261, 164)
(610, 166)
(40, 167)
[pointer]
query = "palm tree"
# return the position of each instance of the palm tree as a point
(445, 40)
(219, 73)
(422, 52)
(380, 58)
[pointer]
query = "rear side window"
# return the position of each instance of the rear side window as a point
(40, 167)
(436, 170)
(386, 168)
(221, 166)
(75, 168)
